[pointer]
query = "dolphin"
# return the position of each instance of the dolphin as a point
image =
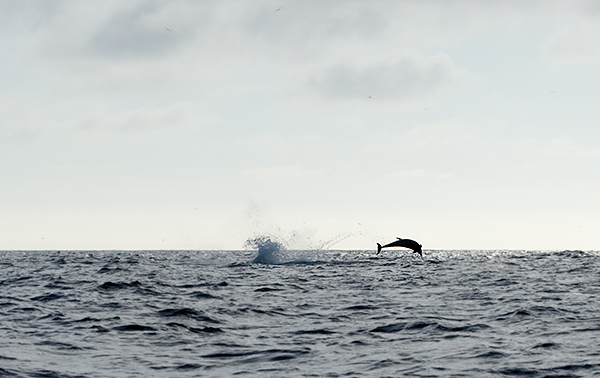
(406, 243)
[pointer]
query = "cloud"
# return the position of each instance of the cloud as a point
(18, 135)
(412, 76)
(302, 23)
(283, 172)
(136, 44)
(177, 117)
(575, 40)
(110, 29)
(562, 147)
(446, 135)
(174, 117)
(567, 147)
(115, 46)
(421, 174)
(576, 44)
(149, 29)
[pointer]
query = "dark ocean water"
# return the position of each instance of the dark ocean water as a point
(299, 314)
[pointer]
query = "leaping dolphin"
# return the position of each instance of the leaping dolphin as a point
(406, 243)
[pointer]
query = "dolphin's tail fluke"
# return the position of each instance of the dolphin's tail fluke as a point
(378, 248)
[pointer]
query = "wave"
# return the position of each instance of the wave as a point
(202, 330)
(186, 313)
(134, 327)
(433, 325)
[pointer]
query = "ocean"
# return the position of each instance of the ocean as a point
(269, 312)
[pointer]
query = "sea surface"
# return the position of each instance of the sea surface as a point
(277, 313)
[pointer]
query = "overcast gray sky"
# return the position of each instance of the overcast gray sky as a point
(199, 124)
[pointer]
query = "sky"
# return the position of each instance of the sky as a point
(325, 124)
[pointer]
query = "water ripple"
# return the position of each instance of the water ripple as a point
(299, 313)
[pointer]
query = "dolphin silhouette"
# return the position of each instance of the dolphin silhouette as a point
(406, 243)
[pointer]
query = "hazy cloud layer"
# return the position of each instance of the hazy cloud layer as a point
(146, 31)
(405, 78)
(462, 114)
(284, 172)
(576, 44)
(306, 23)
(416, 174)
